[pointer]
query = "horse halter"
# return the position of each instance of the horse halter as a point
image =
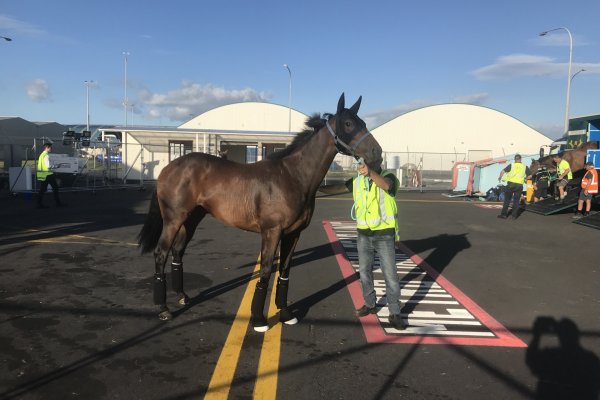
(343, 147)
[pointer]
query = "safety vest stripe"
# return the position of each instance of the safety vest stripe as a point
(374, 221)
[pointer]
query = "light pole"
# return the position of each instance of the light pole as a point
(289, 98)
(125, 99)
(575, 74)
(6, 38)
(87, 102)
(568, 75)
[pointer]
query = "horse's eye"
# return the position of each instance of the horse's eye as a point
(348, 124)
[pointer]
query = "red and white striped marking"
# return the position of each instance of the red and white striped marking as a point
(439, 312)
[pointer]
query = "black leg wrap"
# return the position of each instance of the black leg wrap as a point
(160, 289)
(282, 293)
(177, 277)
(258, 301)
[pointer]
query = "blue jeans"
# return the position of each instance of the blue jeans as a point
(385, 248)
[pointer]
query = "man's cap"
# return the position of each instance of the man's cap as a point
(518, 157)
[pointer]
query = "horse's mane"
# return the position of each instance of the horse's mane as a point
(313, 125)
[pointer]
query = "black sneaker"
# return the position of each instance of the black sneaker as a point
(502, 216)
(364, 311)
(577, 216)
(397, 322)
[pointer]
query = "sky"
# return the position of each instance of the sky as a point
(185, 57)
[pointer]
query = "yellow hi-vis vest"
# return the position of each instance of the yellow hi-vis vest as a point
(376, 209)
(516, 174)
(562, 167)
(42, 170)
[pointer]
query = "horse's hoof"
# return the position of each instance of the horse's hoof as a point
(184, 300)
(287, 317)
(261, 328)
(260, 324)
(165, 315)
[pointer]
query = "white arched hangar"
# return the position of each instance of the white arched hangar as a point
(456, 132)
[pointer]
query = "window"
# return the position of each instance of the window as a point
(251, 154)
(178, 148)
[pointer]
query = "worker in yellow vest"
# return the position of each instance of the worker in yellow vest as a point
(514, 175)
(374, 193)
(46, 177)
(563, 169)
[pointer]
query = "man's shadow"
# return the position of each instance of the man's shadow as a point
(445, 248)
(566, 371)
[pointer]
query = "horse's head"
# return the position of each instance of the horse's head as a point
(352, 137)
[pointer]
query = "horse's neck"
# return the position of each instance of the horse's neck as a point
(311, 161)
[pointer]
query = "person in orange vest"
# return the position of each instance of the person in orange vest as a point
(589, 187)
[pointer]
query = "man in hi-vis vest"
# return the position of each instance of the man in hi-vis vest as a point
(589, 188)
(374, 194)
(45, 176)
(515, 175)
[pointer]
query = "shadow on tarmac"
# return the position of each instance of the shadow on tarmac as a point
(445, 248)
(565, 371)
(300, 257)
(21, 221)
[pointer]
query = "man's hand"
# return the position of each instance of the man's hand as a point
(585, 191)
(363, 169)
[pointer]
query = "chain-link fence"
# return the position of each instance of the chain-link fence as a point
(76, 167)
(423, 171)
(415, 171)
(106, 164)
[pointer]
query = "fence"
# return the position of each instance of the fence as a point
(425, 171)
(75, 167)
(107, 165)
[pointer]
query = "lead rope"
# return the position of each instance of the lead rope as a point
(359, 182)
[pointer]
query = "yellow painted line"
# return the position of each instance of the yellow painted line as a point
(62, 238)
(220, 383)
(69, 241)
(268, 364)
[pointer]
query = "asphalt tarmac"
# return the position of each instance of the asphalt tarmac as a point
(77, 319)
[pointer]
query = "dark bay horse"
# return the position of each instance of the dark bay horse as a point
(274, 197)
(575, 157)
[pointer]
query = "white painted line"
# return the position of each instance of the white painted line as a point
(425, 331)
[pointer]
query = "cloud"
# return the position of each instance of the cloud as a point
(15, 26)
(521, 65)
(38, 91)
(192, 99)
(377, 118)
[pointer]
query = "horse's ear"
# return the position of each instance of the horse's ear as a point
(356, 106)
(341, 104)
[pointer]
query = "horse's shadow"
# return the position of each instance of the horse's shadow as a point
(445, 247)
(300, 258)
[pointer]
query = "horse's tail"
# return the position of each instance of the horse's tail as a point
(152, 229)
